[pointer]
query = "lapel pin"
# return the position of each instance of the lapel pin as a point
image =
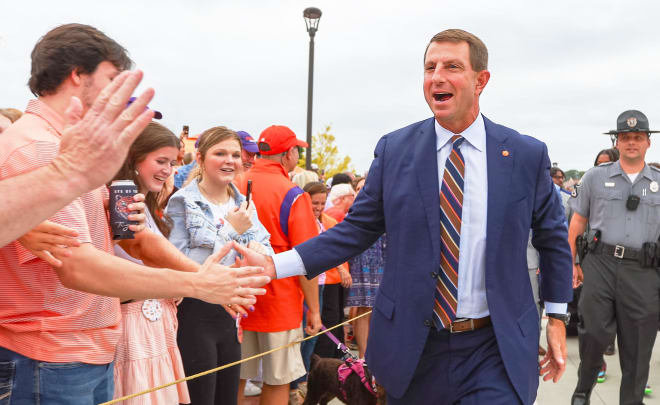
(505, 153)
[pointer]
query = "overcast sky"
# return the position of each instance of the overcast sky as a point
(560, 70)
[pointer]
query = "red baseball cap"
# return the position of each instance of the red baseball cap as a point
(278, 139)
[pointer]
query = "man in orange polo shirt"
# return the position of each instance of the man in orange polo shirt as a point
(286, 212)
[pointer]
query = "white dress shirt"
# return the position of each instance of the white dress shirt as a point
(472, 302)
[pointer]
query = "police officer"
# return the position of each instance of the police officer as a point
(620, 295)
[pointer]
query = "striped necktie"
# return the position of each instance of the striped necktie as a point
(451, 206)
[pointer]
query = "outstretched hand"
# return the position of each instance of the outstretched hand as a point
(94, 146)
(253, 258)
(218, 284)
(48, 240)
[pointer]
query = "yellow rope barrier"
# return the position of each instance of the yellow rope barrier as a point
(256, 356)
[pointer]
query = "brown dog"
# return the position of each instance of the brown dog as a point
(323, 385)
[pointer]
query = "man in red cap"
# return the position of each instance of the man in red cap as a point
(286, 212)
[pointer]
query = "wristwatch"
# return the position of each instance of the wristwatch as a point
(566, 318)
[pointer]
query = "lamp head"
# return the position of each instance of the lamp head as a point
(312, 17)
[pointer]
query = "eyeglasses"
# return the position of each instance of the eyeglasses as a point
(558, 177)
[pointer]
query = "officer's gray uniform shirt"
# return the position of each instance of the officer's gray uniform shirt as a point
(601, 197)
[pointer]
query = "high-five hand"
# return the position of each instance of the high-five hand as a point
(220, 284)
(252, 258)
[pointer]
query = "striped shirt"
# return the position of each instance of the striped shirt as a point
(39, 317)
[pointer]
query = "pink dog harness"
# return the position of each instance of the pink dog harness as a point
(357, 367)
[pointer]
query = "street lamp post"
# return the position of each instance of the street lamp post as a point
(312, 16)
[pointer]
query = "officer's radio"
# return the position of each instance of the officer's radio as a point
(632, 202)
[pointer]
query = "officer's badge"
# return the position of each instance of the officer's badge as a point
(654, 186)
(632, 121)
(574, 193)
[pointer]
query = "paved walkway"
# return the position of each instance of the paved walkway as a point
(606, 393)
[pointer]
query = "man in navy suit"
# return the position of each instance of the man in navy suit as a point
(454, 320)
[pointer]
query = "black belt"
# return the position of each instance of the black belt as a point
(618, 251)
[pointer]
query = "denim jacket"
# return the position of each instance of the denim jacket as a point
(194, 232)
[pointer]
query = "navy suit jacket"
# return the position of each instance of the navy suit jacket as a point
(401, 197)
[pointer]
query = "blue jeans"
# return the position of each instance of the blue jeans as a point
(25, 381)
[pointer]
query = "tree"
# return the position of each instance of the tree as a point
(325, 154)
(573, 174)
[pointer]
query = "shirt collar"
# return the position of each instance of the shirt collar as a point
(646, 172)
(42, 110)
(475, 134)
(616, 170)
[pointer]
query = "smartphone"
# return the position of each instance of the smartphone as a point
(249, 191)
(186, 129)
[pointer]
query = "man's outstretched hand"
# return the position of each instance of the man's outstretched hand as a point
(94, 146)
(218, 284)
(253, 258)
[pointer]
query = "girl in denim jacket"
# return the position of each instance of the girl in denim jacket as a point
(206, 214)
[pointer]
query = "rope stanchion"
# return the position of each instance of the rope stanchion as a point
(213, 370)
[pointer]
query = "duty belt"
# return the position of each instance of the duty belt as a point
(618, 251)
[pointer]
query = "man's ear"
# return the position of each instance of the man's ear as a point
(75, 77)
(482, 81)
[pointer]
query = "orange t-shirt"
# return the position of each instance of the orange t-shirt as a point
(336, 213)
(332, 276)
(281, 308)
(39, 317)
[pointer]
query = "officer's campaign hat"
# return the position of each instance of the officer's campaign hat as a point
(631, 121)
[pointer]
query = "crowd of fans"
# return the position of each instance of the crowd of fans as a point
(191, 213)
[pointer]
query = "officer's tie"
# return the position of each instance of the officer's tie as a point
(451, 204)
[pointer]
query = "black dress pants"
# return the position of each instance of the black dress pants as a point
(207, 339)
(620, 298)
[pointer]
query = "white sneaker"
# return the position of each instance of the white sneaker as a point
(251, 390)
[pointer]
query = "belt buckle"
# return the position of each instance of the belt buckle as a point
(451, 326)
(619, 251)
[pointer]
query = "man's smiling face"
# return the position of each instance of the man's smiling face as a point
(451, 87)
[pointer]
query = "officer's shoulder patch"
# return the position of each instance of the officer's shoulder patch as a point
(574, 193)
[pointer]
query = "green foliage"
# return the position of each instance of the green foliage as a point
(573, 174)
(326, 154)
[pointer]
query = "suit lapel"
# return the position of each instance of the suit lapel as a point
(426, 164)
(500, 158)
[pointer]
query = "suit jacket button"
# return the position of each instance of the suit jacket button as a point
(428, 323)
(434, 275)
